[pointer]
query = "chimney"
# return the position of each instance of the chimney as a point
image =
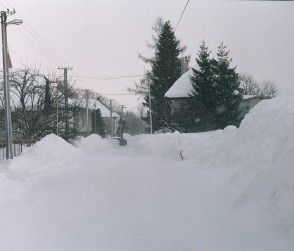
(185, 64)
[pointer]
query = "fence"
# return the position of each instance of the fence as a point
(17, 149)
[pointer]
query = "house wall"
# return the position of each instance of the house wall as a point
(114, 125)
(248, 104)
(178, 105)
(81, 122)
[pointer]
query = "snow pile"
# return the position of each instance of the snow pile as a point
(50, 152)
(51, 148)
(230, 189)
(267, 132)
(264, 155)
(260, 155)
(94, 144)
(200, 148)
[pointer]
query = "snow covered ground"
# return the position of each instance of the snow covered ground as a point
(234, 190)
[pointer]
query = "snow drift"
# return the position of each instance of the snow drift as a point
(234, 190)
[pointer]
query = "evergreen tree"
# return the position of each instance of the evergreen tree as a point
(215, 97)
(47, 99)
(165, 70)
(227, 89)
(98, 123)
(203, 99)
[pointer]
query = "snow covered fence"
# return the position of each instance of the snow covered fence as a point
(17, 150)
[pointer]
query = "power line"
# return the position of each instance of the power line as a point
(33, 32)
(119, 94)
(182, 15)
(41, 42)
(35, 46)
(3, 6)
(8, 4)
(106, 77)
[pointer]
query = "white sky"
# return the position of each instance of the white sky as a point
(104, 37)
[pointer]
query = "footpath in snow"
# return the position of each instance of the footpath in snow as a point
(234, 190)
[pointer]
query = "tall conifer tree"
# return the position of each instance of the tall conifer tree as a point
(165, 70)
(215, 97)
(227, 89)
(202, 98)
(98, 123)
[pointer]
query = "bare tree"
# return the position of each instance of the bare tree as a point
(134, 125)
(268, 89)
(30, 121)
(248, 84)
(35, 104)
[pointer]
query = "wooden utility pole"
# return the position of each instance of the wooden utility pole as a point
(122, 121)
(57, 101)
(150, 107)
(87, 92)
(110, 101)
(66, 100)
(6, 85)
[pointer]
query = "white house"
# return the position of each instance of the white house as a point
(93, 104)
(178, 95)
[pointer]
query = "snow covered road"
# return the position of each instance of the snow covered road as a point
(225, 195)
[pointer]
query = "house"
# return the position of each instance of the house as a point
(82, 115)
(35, 97)
(178, 96)
(248, 102)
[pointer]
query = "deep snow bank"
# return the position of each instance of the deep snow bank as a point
(95, 144)
(50, 152)
(233, 191)
(264, 153)
(265, 138)
(260, 155)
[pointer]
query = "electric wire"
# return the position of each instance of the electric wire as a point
(182, 15)
(42, 41)
(35, 42)
(35, 46)
(56, 55)
(3, 6)
(45, 49)
(43, 45)
(119, 94)
(88, 78)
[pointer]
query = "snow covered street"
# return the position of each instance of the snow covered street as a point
(234, 190)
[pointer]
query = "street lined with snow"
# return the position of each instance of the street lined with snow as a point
(234, 190)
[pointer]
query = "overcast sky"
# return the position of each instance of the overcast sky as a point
(102, 38)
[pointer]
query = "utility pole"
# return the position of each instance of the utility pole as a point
(150, 108)
(110, 101)
(122, 121)
(65, 100)
(87, 92)
(95, 122)
(8, 123)
(57, 118)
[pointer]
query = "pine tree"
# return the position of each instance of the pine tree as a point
(98, 123)
(215, 97)
(47, 99)
(165, 70)
(203, 99)
(228, 90)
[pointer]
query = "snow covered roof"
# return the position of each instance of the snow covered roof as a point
(182, 87)
(96, 104)
(249, 96)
